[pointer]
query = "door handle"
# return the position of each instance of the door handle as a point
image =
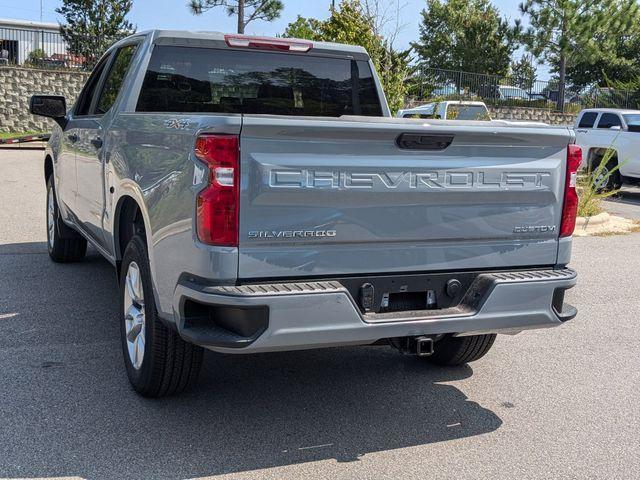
(96, 142)
(73, 138)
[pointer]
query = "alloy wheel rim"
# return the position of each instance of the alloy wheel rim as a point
(51, 224)
(134, 317)
(602, 179)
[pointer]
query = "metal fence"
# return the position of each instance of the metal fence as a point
(437, 84)
(45, 48)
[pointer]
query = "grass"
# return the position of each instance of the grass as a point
(12, 134)
(19, 134)
(590, 190)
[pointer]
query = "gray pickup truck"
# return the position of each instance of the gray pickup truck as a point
(255, 195)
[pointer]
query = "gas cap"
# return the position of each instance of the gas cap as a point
(454, 287)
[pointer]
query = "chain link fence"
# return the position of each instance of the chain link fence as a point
(516, 91)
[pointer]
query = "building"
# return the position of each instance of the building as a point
(18, 38)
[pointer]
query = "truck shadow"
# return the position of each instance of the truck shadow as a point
(67, 409)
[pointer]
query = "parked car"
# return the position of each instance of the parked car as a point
(599, 130)
(508, 92)
(445, 91)
(255, 195)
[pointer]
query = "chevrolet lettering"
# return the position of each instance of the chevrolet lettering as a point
(393, 180)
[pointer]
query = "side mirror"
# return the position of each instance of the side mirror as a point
(615, 127)
(52, 106)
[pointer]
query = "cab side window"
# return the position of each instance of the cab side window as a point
(115, 78)
(88, 93)
(608, 120)
(588, 120)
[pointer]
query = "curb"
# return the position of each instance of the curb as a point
(594, 221)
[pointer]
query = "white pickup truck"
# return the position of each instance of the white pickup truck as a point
(448, 110)
(458, 110)
(600, 129)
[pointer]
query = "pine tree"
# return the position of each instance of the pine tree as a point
(523, 72)
(246, 10)
(562, 29)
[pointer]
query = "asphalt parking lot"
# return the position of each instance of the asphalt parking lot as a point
(561, 403)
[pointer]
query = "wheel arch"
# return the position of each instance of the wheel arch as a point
(596, 152)
(128, 221)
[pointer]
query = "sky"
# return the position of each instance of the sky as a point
(174, 14)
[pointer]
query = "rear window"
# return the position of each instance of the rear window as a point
(588, 119)
(467, 112)
(190, 79)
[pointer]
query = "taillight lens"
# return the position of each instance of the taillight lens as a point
(218, 204)
(570, 204)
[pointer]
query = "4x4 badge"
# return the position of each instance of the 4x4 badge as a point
(177, 124)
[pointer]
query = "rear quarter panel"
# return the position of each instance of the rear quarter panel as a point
(151, 161)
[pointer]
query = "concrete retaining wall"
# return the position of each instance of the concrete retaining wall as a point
(532, 115)
(18, 84)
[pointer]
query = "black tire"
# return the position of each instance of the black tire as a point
(451, 351)
(65, 245)
(613, 181)
(169, 365)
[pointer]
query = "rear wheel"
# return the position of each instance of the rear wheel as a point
(64, 244)
(157, 360)
(451, 351)
(607, 179)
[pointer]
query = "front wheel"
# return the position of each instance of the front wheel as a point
(157, 360)
(452, 351)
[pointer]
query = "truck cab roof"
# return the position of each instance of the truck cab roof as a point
(219, 39)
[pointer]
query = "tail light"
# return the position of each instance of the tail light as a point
(570, 204)
(218, 204)
(266, 43)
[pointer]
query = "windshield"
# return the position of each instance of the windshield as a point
(467, 112)
(190, 79)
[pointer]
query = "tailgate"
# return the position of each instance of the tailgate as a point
(327, 197)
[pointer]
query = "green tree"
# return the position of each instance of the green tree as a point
(350, 24)
(467, 35)
(91, 26)
(523, 72)
(561, 30)
(619, 66)
(307, 28)
(246, 10)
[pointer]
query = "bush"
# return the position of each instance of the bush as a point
(590, 186)
(36, 57)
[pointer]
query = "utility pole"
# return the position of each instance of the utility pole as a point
(42, 33)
